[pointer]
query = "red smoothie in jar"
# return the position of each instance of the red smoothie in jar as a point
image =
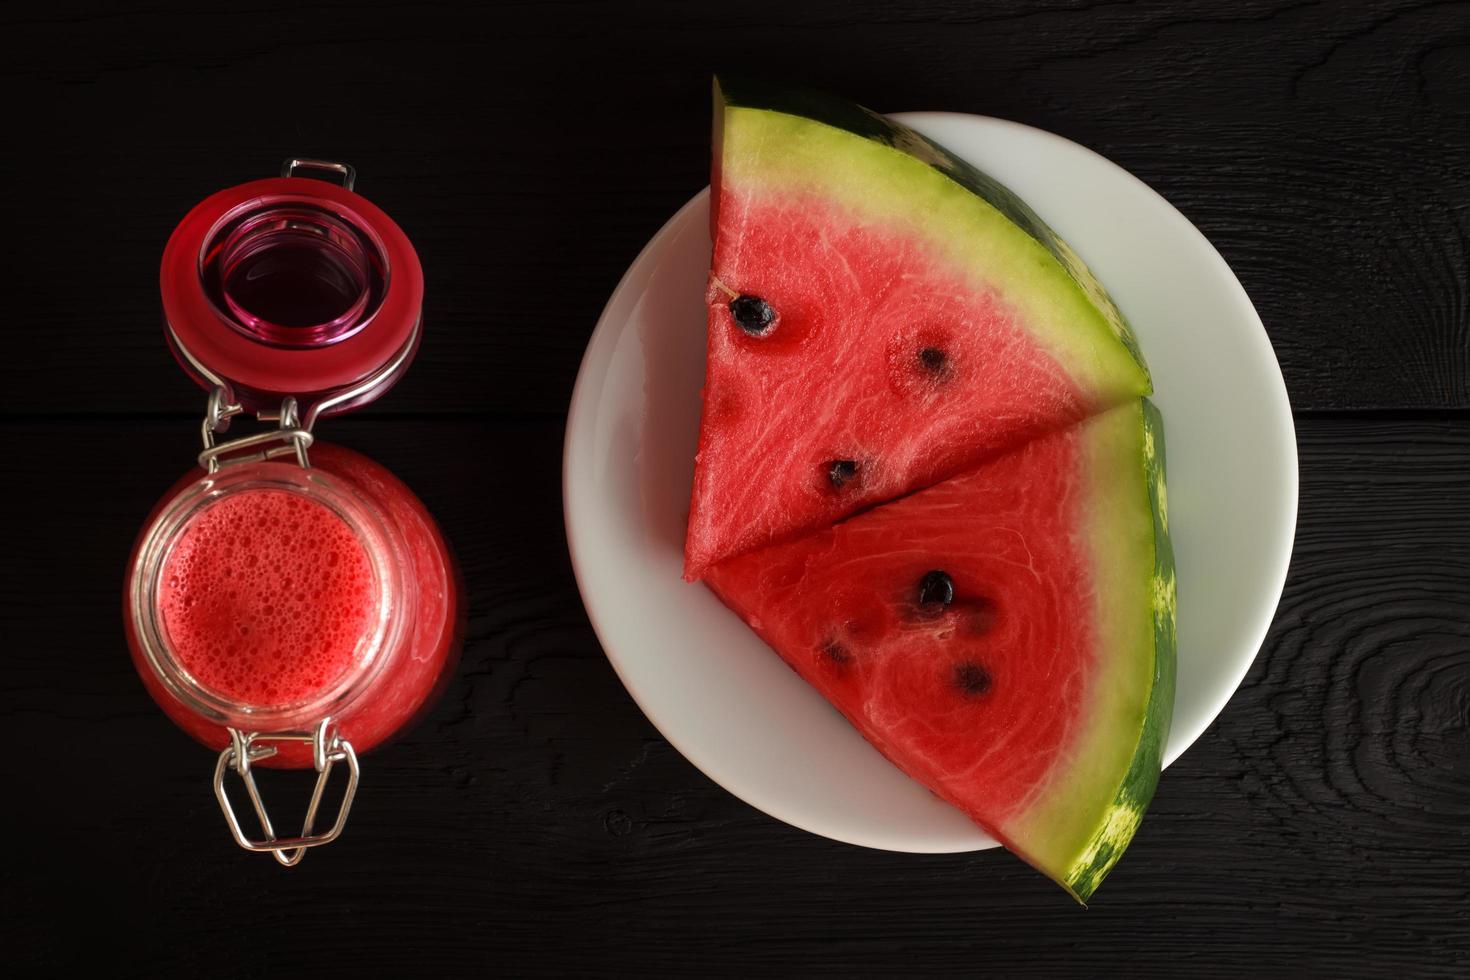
(270, 596)
(267, 597)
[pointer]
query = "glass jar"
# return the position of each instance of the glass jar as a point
(291, 603)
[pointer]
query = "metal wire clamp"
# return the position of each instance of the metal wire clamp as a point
(290, 437)
(246, 748)
(345, 171)
(296, 436)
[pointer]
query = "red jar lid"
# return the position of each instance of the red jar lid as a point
(292, 287)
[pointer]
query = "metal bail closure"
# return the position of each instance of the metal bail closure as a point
(297, 437)
(345, 171)
(327, 750)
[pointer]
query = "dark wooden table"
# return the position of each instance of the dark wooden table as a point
(537, 822)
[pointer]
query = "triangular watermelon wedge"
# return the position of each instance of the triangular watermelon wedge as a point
(1005, 637)
(881, 316)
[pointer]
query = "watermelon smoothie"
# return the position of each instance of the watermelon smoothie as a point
(270, 596)
(238, 609)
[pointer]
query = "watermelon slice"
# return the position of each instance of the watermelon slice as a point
(881, 316)
(1005, 637)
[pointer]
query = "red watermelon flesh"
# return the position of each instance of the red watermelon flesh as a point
(880, 316)
(1005, 637)
(946, 378)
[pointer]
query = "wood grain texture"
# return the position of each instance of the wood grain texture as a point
(536, 823)
(531, 149)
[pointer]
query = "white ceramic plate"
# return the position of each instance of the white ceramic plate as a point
(730, 704)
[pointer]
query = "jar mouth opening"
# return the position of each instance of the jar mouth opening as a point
(294, 274)
(254, 682)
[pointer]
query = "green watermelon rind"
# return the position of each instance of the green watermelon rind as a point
(1120, 819)
(904, 146)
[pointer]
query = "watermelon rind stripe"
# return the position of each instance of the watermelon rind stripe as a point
(1121, 818)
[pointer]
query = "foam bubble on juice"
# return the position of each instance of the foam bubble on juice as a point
(267, 597)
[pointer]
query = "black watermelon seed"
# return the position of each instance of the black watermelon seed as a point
(936, 587)
(970, 678)
(754, 315)
(841, 472)
(835, 652)
(933, 360)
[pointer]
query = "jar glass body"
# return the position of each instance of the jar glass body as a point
(410, 627)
